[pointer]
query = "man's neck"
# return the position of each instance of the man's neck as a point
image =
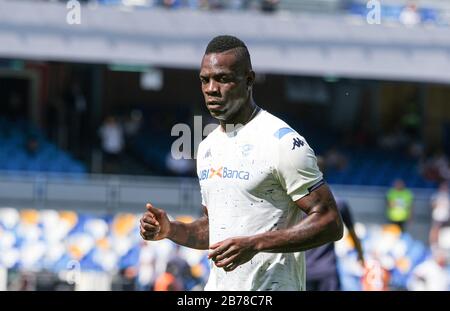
(247, 113)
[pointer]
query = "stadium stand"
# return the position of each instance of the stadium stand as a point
(396, 253)
(49, 240)
(25, 148)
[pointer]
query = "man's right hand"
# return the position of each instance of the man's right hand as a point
(155, 224)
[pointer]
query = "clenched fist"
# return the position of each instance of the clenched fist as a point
(155, 224)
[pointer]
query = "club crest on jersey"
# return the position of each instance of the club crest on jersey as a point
(224, 173)
(246, 149)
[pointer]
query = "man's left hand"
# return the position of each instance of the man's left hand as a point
(233, 252)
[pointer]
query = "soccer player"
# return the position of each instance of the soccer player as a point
(256, 176)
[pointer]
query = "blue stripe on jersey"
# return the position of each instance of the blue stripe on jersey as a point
(282, 131)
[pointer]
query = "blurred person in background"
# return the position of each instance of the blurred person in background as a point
(132, 124)
(375, 276)
(335, 159)
(409, 15)
(112, 141)
(394, 140)
(399, 205)
(32, 146)
(430, 275)
(127, 279)
(77, 117)
(436, 167)
(146, 268)
(181, 269)
(440, 213)
(321, 262)
(170, 4)
(168, 281)
(269, 6)
(252, 223)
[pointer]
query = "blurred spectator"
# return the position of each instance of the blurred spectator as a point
(181, 270)
(440, 213)
(171, 4)
(269, 6)
(23, 281)
(409, 15)
(436, 168)
(127, 277)
(133, 124)
(168, 281)
(77, 117)
(112, 140)
(394, 140)
(416, 149)
(32, 146)
(375, 277)
(237, 4)
(334, 159)
(430, 275)
(147, 260)
(321, 262)
(215, 4)
(399, 204)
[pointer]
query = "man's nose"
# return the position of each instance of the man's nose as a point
(212, 87)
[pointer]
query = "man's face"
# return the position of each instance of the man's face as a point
(225, 84)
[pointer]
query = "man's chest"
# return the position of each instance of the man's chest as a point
(242, 164)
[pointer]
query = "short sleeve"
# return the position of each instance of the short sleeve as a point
(296, 166)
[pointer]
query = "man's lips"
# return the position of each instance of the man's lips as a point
(215, 106)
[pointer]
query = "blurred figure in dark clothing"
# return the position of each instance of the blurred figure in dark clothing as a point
(32, 146)
(269, 6)
(321, 262)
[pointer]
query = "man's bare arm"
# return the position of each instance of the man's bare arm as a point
(323, 224)
(155, 225)
(194, 234)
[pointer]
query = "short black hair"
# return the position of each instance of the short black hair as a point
(225, 43)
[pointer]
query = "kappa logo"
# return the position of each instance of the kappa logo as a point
(207, 154)
(297, 143)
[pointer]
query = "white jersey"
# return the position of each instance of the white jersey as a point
(249, 180)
